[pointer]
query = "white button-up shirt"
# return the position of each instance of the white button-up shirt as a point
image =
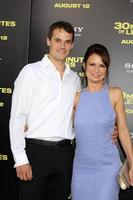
(43, 102)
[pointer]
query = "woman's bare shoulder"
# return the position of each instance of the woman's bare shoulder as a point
(115, 89)
(115, 92)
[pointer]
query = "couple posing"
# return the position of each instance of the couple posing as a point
(45, 95)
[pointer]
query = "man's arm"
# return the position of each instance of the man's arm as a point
(21, 103)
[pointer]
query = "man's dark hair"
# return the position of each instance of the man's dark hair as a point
(66, 26)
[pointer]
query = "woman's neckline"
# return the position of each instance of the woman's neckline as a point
(97, 91)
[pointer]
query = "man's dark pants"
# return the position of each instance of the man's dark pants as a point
(52, 171)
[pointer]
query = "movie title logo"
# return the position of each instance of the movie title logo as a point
(73, 61)
(5, 90)
(128, 98)
(126, 29)
(7, 23)
(3, 157)
(72, 5)
(3, 23)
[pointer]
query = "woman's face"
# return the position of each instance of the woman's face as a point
(95, 69)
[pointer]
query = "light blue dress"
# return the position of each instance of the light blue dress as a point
(97, 161)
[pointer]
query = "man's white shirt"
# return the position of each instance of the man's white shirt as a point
(43, 102)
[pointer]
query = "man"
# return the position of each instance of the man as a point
(41, 120)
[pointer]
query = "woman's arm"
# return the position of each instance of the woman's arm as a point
(76, 100)
(122, 127)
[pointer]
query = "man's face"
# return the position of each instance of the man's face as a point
(60, 44)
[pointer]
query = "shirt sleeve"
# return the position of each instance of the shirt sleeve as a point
(20, 108)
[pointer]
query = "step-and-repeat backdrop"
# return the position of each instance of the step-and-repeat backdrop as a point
(14, 47)
(23, 31)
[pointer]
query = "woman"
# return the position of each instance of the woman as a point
(97, 162)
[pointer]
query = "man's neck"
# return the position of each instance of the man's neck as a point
(59, 65)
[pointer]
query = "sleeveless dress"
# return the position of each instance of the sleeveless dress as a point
(97, 160)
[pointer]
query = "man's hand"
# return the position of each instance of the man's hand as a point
(24, 172)
(114, 135)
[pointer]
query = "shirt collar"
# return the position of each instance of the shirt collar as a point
(48, 63)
